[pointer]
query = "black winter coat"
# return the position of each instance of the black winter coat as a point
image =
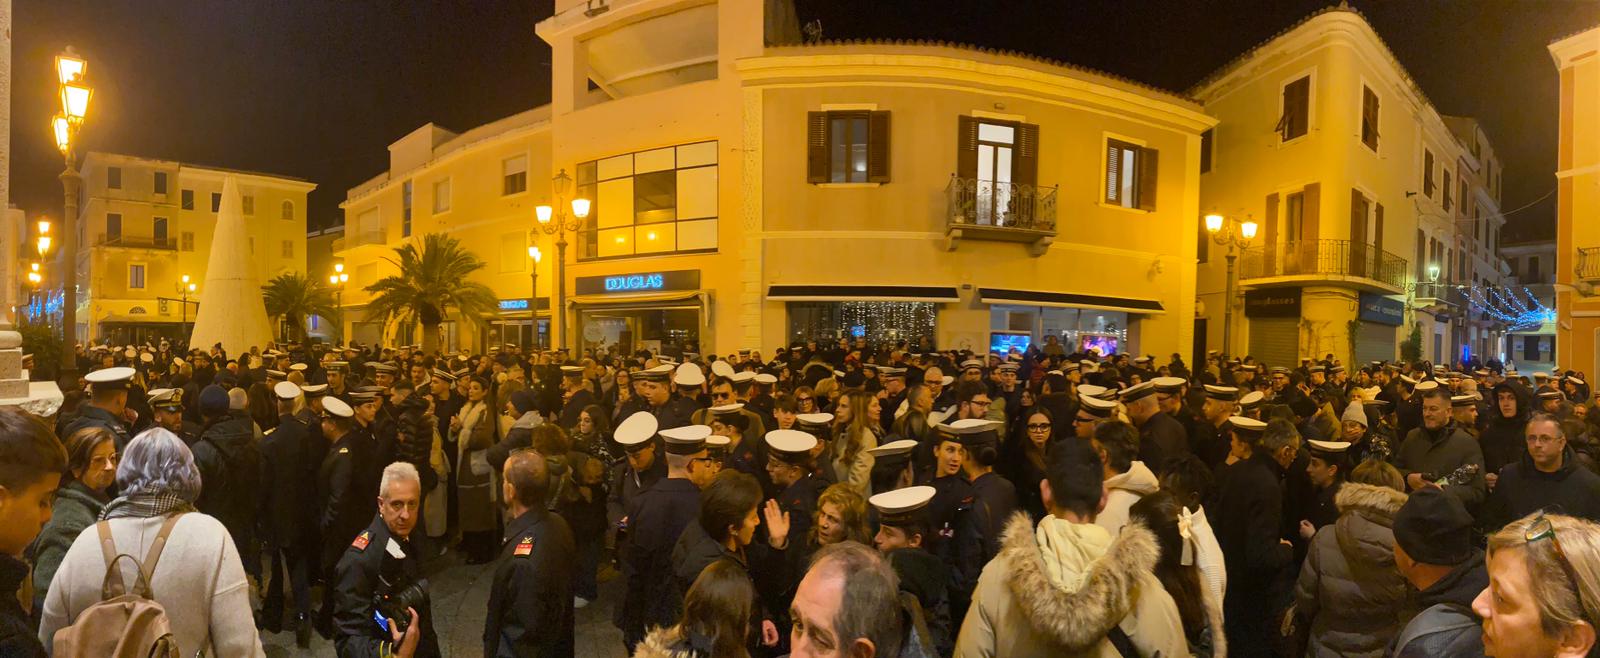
(1523, 489)
(230, 475)
(18, 637)
(414, 438)
(1502, 441)
(287, 500)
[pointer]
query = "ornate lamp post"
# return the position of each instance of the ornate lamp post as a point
(533, 294)
(185, 288)
(71, 72)
(554, 220)
(337, 280)
(1235, 236)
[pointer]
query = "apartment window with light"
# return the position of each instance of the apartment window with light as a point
(160, 183)
(650, 202)
(514, 175)
(136, 276)
(1130, 175)
(441, 196)
(405, 209)
(216, 202)
(847, 146)
(249, 203)
(188, 199)
(1369, 118)
(114, 178)
(1295, 119)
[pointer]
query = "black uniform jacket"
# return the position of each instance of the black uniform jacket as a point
(530, 603)
(365, 560)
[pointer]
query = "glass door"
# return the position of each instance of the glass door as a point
(995, 143)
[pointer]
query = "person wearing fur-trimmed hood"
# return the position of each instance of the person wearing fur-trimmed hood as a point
(1069, 587)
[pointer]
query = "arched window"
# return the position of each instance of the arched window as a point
(288, 211)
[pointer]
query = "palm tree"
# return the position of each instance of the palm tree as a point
(293, 297)
(432, 281)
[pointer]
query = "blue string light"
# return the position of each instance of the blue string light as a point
(1517, 310)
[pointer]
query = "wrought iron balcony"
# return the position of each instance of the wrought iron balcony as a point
(136, 242)
(1311, 261)
(1440, 296)
(1007, 212)
(1588, 264)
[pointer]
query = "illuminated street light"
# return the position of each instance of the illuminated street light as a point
(558, 225)
(1233, 234)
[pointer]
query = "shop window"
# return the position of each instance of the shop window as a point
(875, 321)
(650, 202)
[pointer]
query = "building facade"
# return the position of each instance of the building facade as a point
(1378, 216)
(319, 266)
(144, 224)
(748, 191)
(1532, 347)
(1578, 203)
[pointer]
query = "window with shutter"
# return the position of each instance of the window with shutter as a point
(1131, 175)
(1147, 159)
(847, 146)
(1369, 118)
(1296, 119)
(1205, 150)
(1446, 188)
(1427, 173)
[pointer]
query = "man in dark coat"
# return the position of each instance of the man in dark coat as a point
(1502, 440)
(791, 466)
(230, 470)
(655, 518)
(385, 558)
(1248, 524)
(1161, 438)
(344, 499)
(287, 509)
(1548, 476)
(107, 405)
(530, 601)
(1440, 451)
(413, 431)
(1433, 549)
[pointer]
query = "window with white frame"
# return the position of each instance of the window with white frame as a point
(286, 210)
(441, 196)
(514, 175)
(136, 276)
(650, 202)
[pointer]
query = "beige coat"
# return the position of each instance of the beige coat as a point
(198, 565)
(1122, 491)
(475, 497)
(1044, 596)
(857, 473)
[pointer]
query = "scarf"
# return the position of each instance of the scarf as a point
(144, 506)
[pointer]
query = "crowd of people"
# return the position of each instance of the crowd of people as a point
(836, 499)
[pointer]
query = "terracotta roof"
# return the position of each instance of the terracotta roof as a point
(997, 52)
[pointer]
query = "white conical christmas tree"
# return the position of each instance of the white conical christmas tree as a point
(232, 311)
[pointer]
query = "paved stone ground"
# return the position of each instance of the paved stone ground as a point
(460, 603)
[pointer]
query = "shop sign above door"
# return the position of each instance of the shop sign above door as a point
(638, 282)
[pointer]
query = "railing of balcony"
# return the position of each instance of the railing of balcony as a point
(990, 204)
(366, 237)
(1323, 257)
(1589, 263)
(136, 242)
(1444, 293)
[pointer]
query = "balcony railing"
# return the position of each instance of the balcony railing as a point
(365, 237)
(1006, 212)
(1316, 258)
(136, 242)
(991, 204)
(1440, 294)
(1588, 263)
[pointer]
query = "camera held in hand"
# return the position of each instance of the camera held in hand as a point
(392, 599)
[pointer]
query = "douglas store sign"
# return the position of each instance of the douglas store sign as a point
(642, 282)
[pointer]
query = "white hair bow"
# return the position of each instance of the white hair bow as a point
(1186, 532)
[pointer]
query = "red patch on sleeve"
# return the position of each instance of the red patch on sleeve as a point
(360, 543)
(524, 547)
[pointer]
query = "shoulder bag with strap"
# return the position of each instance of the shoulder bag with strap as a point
(122, 624)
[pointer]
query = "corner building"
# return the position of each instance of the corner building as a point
(1578, 204)
(1377, 214)
(750, 190)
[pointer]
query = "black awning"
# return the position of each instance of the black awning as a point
(1068, 300)
(830, 293)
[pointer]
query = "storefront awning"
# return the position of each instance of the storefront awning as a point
(1068, 300)
(829, 293)
(646, 298)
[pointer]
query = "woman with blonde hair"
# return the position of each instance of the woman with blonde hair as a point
(841, 516)
(1544, 588)
(852, 461)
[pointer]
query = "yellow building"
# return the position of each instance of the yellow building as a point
(1578, 204)
(1376, 213)
(143, 224)
(749, 192)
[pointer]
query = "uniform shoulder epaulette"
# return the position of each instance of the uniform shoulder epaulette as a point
(524, 547)
(360, 543)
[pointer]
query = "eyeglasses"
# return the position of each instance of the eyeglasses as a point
(1543, 439)
(1038, 427)
(982, 403)
(1542, 528)
(802, 400)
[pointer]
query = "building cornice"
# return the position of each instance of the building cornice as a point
(448, 152)
(1567, 50)
(960, 68)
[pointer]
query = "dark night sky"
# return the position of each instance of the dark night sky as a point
(317, 90)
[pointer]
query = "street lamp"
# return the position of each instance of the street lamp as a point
(185, 288)
(555, 220)
(533, 291)
(75, 92)
(1235, 236)
(337, 280)
(43, 237)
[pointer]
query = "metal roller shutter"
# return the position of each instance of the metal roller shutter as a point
(1275, 341)
(1375, 342)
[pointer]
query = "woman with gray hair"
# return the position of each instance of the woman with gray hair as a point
(158, 479)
